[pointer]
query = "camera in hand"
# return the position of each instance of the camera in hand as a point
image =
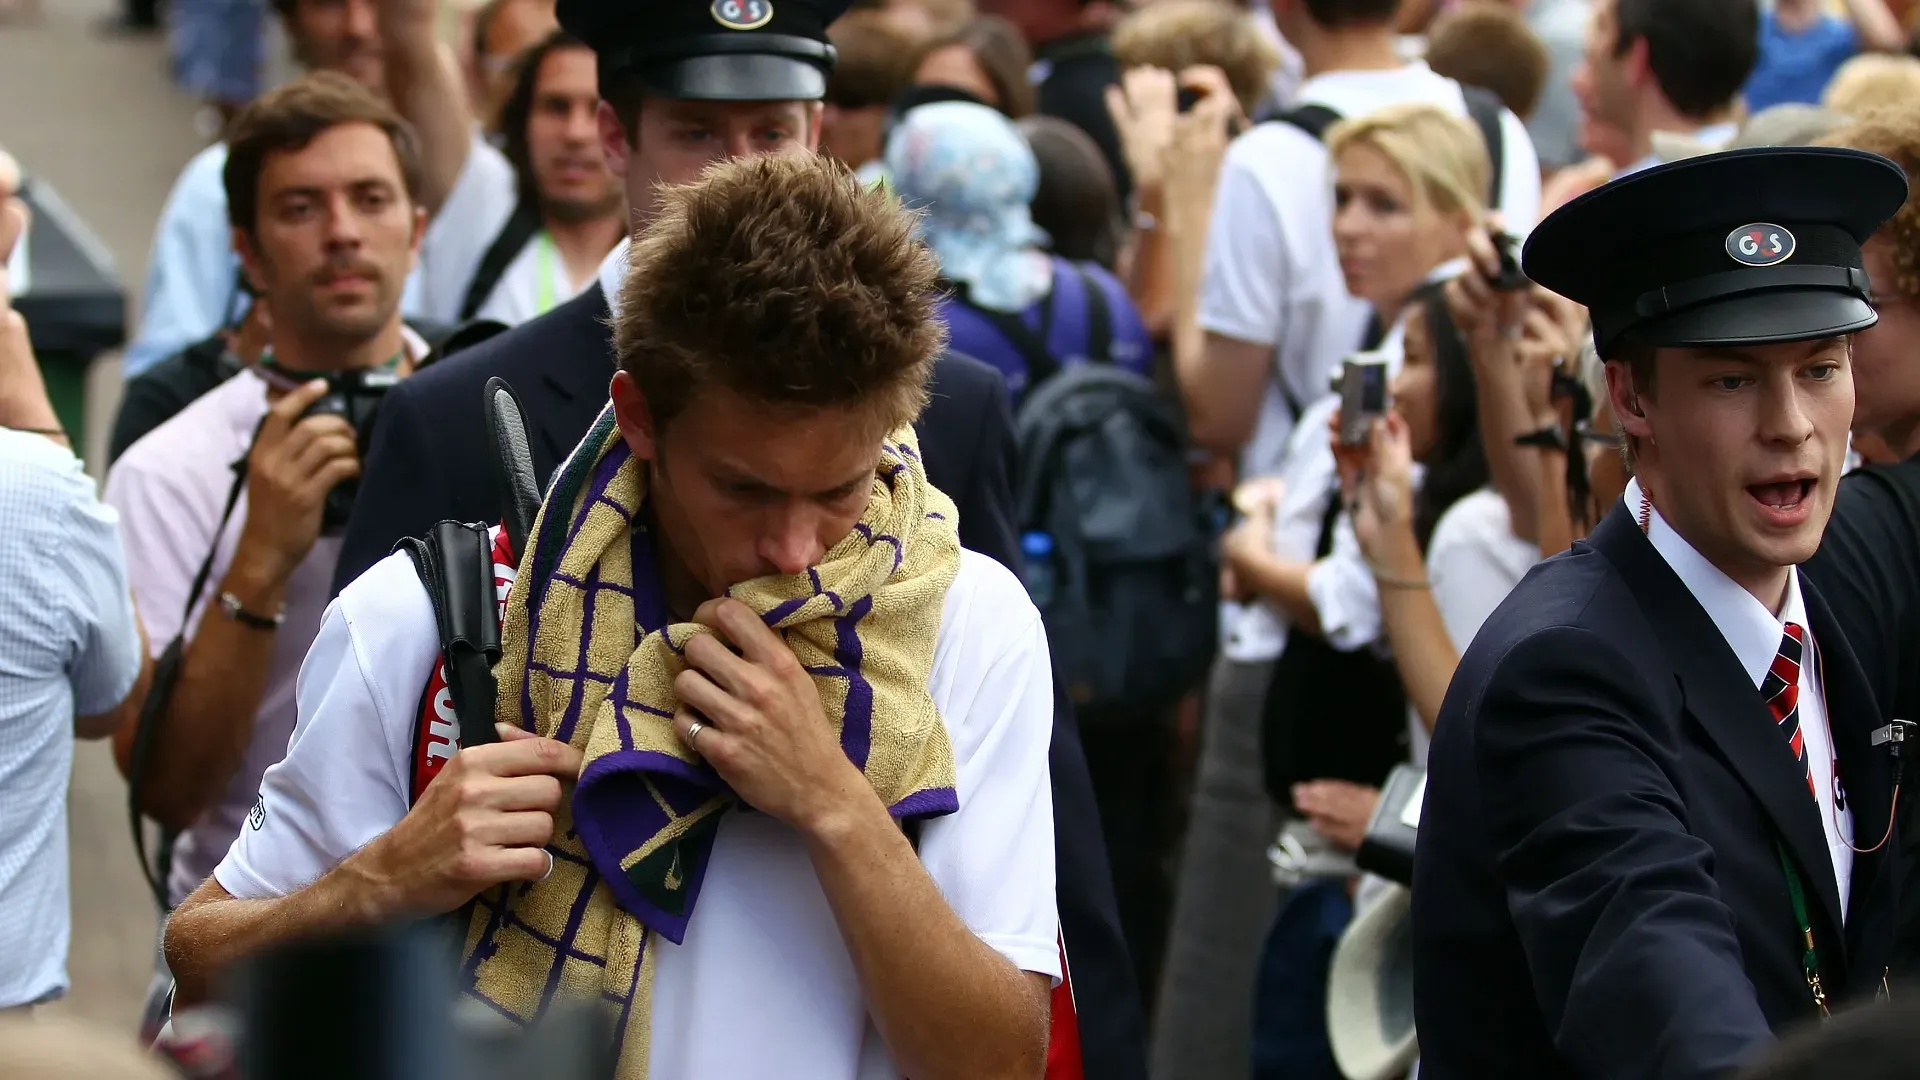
(354, 396)
(1511, 278)
(1362, 386)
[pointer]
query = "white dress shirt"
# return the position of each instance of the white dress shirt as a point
(1754, 634)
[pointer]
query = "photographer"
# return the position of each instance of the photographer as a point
(322, 184)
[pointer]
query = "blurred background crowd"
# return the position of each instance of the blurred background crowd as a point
(1273, 208)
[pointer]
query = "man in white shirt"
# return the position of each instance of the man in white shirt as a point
(525, 246)
(323, 183)
(569, 210)
(1654, 801)
(815, 935)
(192, 289)
(1665, 66)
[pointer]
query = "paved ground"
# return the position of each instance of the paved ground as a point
(99, 120)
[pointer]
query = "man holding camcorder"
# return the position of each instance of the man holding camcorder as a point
(231, 509)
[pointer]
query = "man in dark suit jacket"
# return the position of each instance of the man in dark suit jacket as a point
(1652, 833)
(427, 458)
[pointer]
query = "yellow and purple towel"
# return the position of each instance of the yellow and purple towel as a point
(631, 850)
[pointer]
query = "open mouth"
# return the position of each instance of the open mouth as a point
(1784, 496)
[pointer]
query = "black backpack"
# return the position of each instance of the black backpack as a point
(1132, 593)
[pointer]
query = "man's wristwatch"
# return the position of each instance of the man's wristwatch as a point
(231, 607)
(1547, 438)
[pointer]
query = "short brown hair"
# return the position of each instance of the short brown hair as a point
(1179, 34)
(1893, 133)
(289, 118)
(785, 280)
(874, 62)
(1489, 44)
(1002, 53)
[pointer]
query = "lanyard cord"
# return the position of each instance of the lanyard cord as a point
(545, 294)
(1810, 956)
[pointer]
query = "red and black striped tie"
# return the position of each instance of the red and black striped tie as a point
(1781, 689)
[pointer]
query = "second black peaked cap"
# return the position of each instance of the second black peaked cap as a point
(1745, 247)
(710, 50)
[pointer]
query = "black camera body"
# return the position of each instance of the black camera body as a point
(355, 397)
(1511, 278)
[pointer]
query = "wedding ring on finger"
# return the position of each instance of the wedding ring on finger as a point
(549, 872)
(693, 733)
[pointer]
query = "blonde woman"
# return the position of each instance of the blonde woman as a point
(1407, 188)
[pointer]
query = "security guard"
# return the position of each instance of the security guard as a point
(684, 83)
(1655, 828)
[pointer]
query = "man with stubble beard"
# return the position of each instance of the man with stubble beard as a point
(570, 209)
(322, 183)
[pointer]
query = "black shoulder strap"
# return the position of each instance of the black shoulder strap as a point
(1029, 342)
(146, 726)
(1484, 107)
(1323, 544)
(455, 563)
(1099, 317)
(522, 226)
(1312, 119)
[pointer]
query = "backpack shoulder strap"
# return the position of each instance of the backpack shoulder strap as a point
(1029, 342)
(521, 227)
(1099, 317)
(455, 563)
(1312, 119)
(1484, 108)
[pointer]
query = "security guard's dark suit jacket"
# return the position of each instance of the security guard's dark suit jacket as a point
(1597, 891)
(427, 463)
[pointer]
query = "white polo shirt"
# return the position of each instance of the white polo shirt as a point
(1754, 634)
(762, 984)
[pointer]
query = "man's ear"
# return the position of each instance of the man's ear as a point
(419, 231)
(815, 111)
(1625, 400)
(251, 263)
(1639, 67)
(630, 411)
(615, 145)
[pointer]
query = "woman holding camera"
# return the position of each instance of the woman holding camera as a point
(1408, 189)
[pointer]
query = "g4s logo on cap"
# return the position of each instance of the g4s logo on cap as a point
(742, 14)
(1760, 244)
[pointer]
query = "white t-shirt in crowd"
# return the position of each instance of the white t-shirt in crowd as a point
(532, 284)
(1473, 562)
(462, 230)
(170, 488)
(762, 985)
